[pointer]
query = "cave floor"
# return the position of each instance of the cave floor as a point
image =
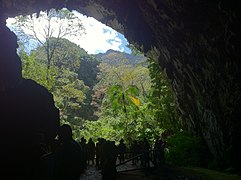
(166, 172)
(169, 172)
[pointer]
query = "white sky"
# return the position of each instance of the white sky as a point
(98, 37)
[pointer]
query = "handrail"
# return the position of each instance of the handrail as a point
(135, 157)
(139, 155)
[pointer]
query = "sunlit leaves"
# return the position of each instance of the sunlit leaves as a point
(125, 106)
(69, 95)
(69, 92)
(37, 71)
(135, 100)
(135, 104)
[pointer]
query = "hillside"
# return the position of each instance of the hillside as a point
(113, 57)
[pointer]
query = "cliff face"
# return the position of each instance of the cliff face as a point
(197, 43)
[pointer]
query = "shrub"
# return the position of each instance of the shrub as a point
(185, 150)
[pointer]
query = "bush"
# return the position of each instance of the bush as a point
(184, 149)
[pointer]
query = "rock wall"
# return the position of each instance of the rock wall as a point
(198, 42)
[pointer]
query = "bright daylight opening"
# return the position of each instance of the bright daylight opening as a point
(94, 38)
(103, 87)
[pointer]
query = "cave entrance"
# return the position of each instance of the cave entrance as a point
(75, 84)
(198, 42)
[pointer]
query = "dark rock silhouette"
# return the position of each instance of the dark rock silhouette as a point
(27, 111)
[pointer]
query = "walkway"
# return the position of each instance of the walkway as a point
(91, 174)
(166, 172)
(124, 170)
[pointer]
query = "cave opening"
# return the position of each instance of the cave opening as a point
(130, 77)
(197, 46)
(50, 51)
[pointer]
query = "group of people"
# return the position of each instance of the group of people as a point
(143, 152)
(106, 154)
(30, 124)
(103, 154)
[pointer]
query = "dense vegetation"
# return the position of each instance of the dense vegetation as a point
(70, 88)
(133, 103)
(113, 98)
(111, 95)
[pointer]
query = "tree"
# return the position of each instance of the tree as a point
(88, 73)
(69, 96)
(136, 102)
(69, 92)
(124, 77)
(123, 87)
(31, 69)
(66, 55)
(46, 25)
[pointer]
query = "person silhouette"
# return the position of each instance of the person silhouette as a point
(134, 151)
(108, 169)
(68, 157)
(146, 157)
(98, 153)
(121, 150)
(83, 145)
(26, 110)
(91, 151)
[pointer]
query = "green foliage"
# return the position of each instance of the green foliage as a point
(71, 57)
(115, 128)
(120, 98)
(127, 109)
(69, 95)
(162, 103)
(65, 54)
(54, 23)
(185, 150)
(31, 69)
(106, 127)
(134, 101)
(123, 86)
(88, 69)
(88, 73)
(69, 92)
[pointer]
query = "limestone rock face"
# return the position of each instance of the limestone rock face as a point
(198, 46)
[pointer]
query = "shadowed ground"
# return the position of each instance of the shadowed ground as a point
(167, 172)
